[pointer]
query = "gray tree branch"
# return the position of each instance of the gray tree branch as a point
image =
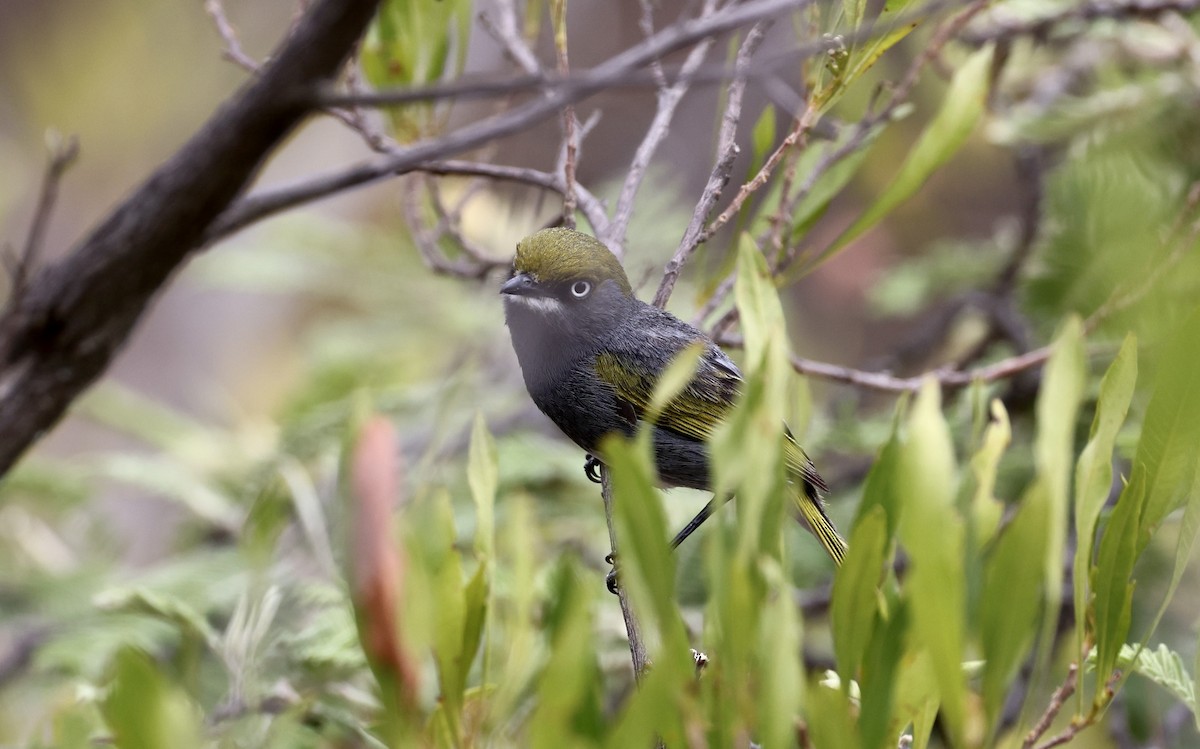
(62, 333)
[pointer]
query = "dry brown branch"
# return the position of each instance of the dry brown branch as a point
(669, 96)
(727, 152)
(570, 126)
(61, 334)
(233, 51)
(1057, 701)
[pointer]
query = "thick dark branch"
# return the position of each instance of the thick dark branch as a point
(61, 335)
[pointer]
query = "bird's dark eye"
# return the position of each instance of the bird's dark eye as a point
(580, 289)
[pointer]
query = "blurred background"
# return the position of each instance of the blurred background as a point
(241, 381)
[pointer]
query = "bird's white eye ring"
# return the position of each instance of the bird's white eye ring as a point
(580, 289)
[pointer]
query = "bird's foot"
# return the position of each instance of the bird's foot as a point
(591, 468)
(611, 579)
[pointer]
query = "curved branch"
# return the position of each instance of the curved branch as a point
(61, 334)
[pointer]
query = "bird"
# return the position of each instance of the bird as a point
(591, 353)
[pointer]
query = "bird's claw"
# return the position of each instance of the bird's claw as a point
(591, 468)
(611, 579)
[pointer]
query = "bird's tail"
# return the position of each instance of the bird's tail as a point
(812, 514)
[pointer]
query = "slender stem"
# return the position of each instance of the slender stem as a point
(727, 152)
(637, 646)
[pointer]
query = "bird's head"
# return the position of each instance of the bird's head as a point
(564, 274)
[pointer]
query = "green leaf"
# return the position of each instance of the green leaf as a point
(829, 715)
(1171, 430)
(647, 565)
(1165, 668)
(986, 510)
(1093, 470)
(1063, 384)
(917, 697)
(568, 711)
(1112, 580)
(854, 603)
(762, 138)
(145, 711)
(475, 611)
(963, 107)
(760, 314)
(1183, 551)
(779, 663)
(678, 374)
(483, 477)
(1008, 622)
(880, 674)
(933, 535)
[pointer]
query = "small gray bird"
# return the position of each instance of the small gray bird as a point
(591, 354)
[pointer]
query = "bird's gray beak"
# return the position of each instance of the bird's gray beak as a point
(521, 284)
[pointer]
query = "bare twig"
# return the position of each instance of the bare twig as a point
(505, 31)
(669, 97)
(268, 202)
(727, 152)
(475, 267)
(233, 47)
(612, 71)
(633, 630)
(1057, 701)
(863, 131)
(569, 124)
(63, 152)
(799, 129)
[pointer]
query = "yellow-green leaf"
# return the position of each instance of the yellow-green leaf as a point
(962, 109)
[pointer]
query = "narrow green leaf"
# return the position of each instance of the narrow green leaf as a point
(145, 711)
(917, 696)
(483, 477)
(475, 610)
(1008, 622)
(760, 313)
(962, 109)
(779, 663)
(830, 717)
(568, 711)
(933, 534)
(986, 510)
(880, 674)
(852, 13)
(1183, 550)
(646, 563)
(678, 374)
(1171, 430)
(762, 138)
(854, 606)
(1093, 470)
(1112, 580)
(1063, 384)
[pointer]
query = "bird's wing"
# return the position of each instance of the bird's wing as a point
(696, 410)
(693, 413)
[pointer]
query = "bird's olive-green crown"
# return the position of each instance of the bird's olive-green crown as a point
(563, 255)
